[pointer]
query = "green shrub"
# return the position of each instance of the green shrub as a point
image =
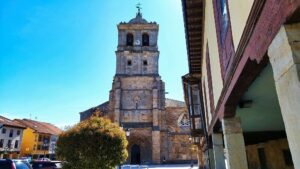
(95, 143)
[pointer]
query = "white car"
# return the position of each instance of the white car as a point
(43, 159)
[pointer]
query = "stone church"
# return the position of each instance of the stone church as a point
(157, 128)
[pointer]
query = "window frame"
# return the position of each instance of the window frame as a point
(3, 130)
(129, 36)
(11, 132)
(222, 6)
(1, 143)
(145, 62)
(16, 146)
(145, 39)
(9, 143)
(129, 62)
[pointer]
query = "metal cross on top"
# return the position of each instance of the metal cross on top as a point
(138, 6)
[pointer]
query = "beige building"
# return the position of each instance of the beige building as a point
(157, 128)
(244, 64)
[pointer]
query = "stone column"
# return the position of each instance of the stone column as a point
(234, 143)
(156, 147)
(211, 158)
(218, 151)
(117, 105)
(284, 54)
(156, 129)
(200, 156)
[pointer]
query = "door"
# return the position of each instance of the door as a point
(135, 154)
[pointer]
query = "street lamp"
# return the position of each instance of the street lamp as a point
(196, 140)
(127, 132)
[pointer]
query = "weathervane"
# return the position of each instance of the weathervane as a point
(138, 6)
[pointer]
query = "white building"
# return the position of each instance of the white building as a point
(11, 134)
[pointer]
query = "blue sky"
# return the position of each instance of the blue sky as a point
(57, 58)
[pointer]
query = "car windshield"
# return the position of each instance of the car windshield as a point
(22, 165)
(5, 165)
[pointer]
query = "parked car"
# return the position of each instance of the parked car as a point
(46, 165)
(28, 159)
(43, 159)
(58, 164)
(14, 164)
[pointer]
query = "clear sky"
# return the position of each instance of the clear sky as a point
(57, 57)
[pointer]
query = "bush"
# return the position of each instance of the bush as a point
(95, 143)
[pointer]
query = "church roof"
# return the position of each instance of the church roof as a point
(174, 103)
(138, 19)
(103, 108)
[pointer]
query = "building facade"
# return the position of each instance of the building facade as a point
(244, 64)
(11, 135)
(157, 128)
(39, 139)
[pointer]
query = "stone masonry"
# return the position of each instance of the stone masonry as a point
(159, 127)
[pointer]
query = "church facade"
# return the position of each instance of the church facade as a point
(157, 128)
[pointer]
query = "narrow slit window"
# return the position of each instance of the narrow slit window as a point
(129, 62)
(145, 62)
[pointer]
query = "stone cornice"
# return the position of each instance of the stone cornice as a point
(121, 52)
(151, 26)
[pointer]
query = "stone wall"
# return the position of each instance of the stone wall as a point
(142, 138)
(274, 154)
(176, 146)
(137, 65)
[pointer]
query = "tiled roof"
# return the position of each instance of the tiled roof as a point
(103, 108)
(7, 122)
(40, 127)
(174, 103)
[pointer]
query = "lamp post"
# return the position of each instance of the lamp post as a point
(127, 132)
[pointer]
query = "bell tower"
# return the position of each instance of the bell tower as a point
(137, 52)
(137, 98)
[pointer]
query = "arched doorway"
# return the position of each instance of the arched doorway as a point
(135, 154)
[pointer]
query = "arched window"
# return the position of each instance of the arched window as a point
(145, 39)
(129, 39)
(183, 120)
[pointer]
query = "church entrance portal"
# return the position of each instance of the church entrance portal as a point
(135, 154)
